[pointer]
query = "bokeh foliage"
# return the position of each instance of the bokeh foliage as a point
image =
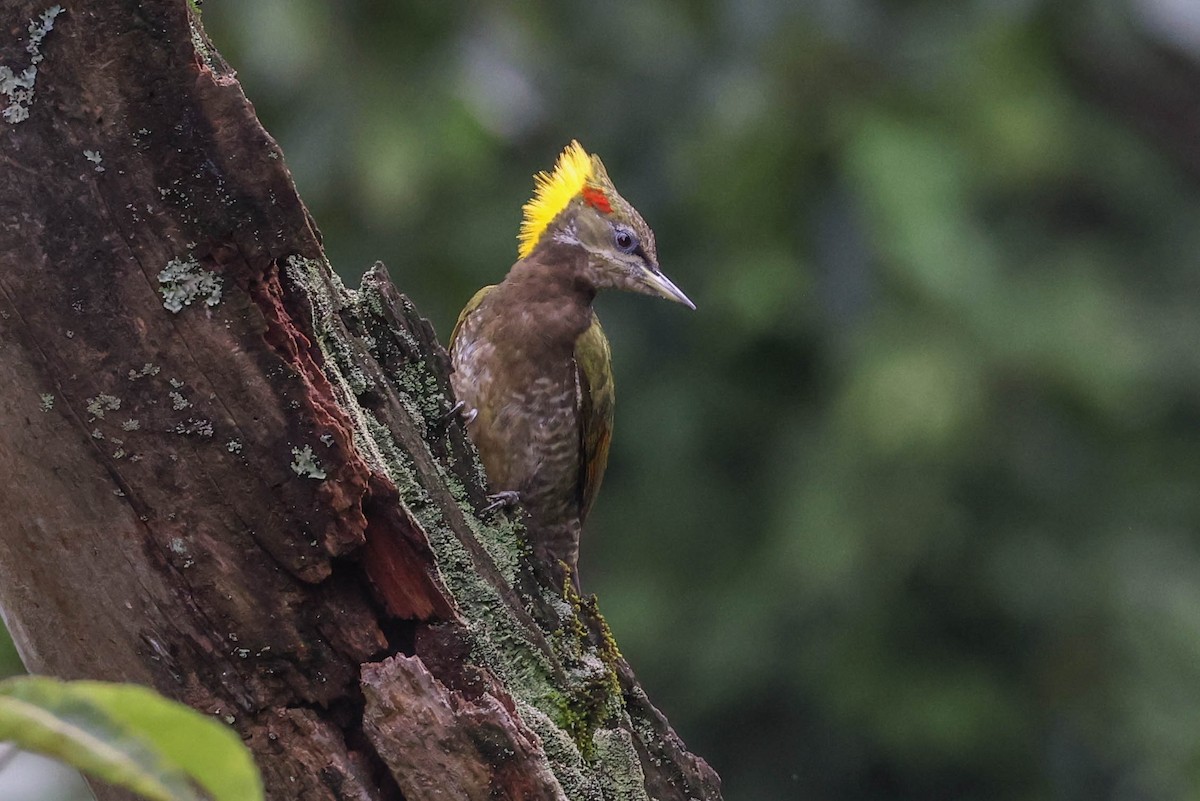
(908, 509)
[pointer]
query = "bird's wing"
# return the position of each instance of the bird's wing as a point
(593, 362)
(471, 306)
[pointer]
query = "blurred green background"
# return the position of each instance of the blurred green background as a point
(910, 507)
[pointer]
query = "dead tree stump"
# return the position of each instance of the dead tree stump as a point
(228, 477)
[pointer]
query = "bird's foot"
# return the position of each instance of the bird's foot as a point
(506, 499)
(467, 418)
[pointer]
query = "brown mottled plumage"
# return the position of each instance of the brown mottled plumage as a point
(531, 363)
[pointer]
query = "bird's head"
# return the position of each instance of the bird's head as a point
(576, 204)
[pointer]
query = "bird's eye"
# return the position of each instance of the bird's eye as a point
(625, 241)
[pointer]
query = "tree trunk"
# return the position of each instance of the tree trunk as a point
(228, 477)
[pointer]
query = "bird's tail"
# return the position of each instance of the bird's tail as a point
(556, 548)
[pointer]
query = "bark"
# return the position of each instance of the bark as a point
(228, 477)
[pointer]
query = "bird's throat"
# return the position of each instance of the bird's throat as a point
(546, 300)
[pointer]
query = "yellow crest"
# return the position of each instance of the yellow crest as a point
(551, 194)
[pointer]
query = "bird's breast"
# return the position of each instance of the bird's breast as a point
(527, 425)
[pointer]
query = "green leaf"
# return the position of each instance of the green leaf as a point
(130, 736)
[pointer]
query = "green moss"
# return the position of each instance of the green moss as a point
(594, 698)
(572, 772)
(609, 652)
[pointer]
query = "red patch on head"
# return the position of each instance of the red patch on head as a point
(597, 200)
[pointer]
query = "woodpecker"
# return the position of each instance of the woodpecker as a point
(531, 366)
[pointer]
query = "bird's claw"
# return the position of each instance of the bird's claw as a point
(467, 418)
(502, 500)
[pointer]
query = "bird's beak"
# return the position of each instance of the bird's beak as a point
(660, 285)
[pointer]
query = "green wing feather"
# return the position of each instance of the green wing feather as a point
(593, 360)
(471, 306)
